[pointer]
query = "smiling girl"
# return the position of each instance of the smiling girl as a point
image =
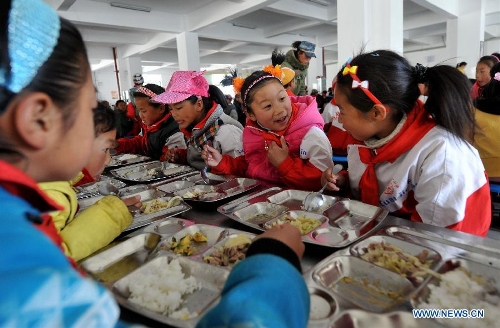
(160, 132)
(283, 140)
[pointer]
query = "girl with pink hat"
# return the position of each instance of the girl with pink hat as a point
(198, 108)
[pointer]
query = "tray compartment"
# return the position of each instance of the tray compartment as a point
(210, 280)
(176, 185)
(354, 215)
(126, 159)
(151, 171)
(304, 221)
(210, 193)
(259, 213)
(363, 284)
(228, 257)
(464, 284)
(330, 236)
(399, 263)
(293, 199)
(116, 262)
(323, 307)
(92, 189)
(212, 233)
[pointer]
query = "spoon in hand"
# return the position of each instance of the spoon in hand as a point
(315, 200)
(108, 189)
(203, 172)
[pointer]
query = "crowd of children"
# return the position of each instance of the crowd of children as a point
(416, 159)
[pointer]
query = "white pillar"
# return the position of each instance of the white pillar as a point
(465, 35)
(315, 69)
(188, 51)
(128, 67)
(370, 25)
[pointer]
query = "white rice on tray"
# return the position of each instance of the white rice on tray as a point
(161, 290)
(458, 291)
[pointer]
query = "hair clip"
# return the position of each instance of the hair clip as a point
(356, 83)
(273, 70)
(497, 76)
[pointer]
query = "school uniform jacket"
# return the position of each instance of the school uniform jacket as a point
(310, 152)
(439, 181)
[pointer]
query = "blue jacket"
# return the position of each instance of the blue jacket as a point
(264, 290)
(39, 287)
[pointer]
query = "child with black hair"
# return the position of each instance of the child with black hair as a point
(415, 160)
(198, 108)
(160, 132)
(85, 232)
(487, 134)
(483, 68)
(46, 134)
(283, 140)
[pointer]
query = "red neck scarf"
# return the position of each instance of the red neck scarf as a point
(414, 129)
(275, 136)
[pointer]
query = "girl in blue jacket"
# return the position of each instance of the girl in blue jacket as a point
(46, 134)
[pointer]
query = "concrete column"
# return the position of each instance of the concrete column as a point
(465, 35)
(188, 51)
(128, 67)
(370, 25)
(315, 69)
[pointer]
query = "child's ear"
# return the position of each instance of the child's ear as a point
(379, 112)
(250, 115)
(36, 119)
(199, 105)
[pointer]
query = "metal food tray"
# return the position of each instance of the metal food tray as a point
(433, 257)
(168, 226)
(213, 179)
(337, 231)
(364, 285)
(293, 199)
(142, 219)
(220, 245)
(210, 277)
(126, 159)
(487, 276)
(446, 253)
(214, 193)
(151, 171)
(91, 189)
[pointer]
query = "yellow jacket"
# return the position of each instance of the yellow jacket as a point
(487, 142)
(89, 230)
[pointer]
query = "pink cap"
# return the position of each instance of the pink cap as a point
(182, 85)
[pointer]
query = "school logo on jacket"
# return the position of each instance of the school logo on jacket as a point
(391, 188)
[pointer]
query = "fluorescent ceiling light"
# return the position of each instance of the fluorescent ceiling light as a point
(131, 7)
(244, 26)
(320, 2)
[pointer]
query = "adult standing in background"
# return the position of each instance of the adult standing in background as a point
(242, 117)
(298, 59)
(124, 123)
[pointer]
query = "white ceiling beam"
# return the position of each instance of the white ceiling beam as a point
(254, 58)
(431, 40)
(156, 41)
(449, 8)
(493, 18)
(288, 26)
(304, 10)
(233, 45)
(113, 37)
(95, 13)
(492, 32)
(327, 40)
(421, 20)
(222, 11)
(226, 31)
(99, 52)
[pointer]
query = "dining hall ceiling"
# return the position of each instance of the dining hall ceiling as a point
(242, 32)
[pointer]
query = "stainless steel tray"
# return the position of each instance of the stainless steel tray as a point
(126, 159)
(293, 199)
(116, 262)
(91, 190)
(425, 255)
(142, 219)
(151, 171)
(174, 186)
(214, 193)
(362, 284)
(227, 263)
(213, 179)
(168, 226)
(210, 278)
(341, 228)
(465, 295)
